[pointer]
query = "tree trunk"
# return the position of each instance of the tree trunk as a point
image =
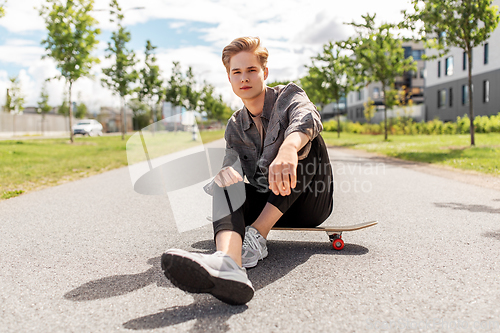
(124, 118)
(471, 109)
(385, 112)
(70, 113)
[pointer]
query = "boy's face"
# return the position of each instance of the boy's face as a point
(246, 75)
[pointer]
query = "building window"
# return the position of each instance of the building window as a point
(486, 91)
(465, 94)
(422, 73)
(376, 92)
(417, 54)
(464, 61)
(449, 66)
(439, 68)
(486, 49)
(450, 97)
(360, 94)
(441, 98)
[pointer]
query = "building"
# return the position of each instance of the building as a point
(111, 119)
(413, 82)
(446, 88)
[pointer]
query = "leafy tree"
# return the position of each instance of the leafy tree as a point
(81, 111)
(15, 100)
(278, 83)
(150, 90)
(369, 109)
(141, 113)
(330, 78)
(43, 104)
(442, 24)
(173, 93)
(378, 56)
(213, 105)
(71, 38)
(122, 73)
(181, 89)
(2, 11)
(64, 108)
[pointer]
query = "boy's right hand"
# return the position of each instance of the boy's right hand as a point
(227, 176)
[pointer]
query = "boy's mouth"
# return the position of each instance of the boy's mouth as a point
(245, 87)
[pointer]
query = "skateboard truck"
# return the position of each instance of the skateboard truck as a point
(336, 239)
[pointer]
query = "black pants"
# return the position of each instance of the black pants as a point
(308, 205)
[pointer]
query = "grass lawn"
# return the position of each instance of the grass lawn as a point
(28, 165)
(450, 150)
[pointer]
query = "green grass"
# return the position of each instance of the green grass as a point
(450, 150)
(28, 165)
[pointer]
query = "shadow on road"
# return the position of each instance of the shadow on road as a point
(492, 234)
(210, 314)
(470, 208)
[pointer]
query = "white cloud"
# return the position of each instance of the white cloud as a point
(292, 30)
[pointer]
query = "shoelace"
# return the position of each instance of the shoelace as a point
(252, 242)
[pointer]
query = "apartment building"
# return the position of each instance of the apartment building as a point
(446, 83)
(413, 82)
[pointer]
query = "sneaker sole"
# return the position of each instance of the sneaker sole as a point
(190, 276)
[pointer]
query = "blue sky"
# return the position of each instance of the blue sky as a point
(192, 32)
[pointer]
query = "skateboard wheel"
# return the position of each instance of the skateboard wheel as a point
(338, 244)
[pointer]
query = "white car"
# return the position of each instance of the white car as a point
(88, 127)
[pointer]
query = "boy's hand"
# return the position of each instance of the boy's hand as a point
(227, 176)
(283, 171)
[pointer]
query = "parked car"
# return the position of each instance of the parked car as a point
(88, 127)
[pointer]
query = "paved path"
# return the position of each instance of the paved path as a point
(84, 257)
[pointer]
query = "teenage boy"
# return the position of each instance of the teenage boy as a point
(275, 137)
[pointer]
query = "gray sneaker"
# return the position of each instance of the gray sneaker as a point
(254, 248)
(216, 274)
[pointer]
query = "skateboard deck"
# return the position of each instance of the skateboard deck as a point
(334, 232)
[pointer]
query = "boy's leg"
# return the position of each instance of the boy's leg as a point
(229, 230)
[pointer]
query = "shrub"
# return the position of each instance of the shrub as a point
(402, 125)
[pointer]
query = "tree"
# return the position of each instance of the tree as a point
(442, 24)
(2, 11)
(278, 83)
(378, 56)
(141, 113)
(181, 89)
(81, 111)
(43, 104)
(369, 109)
(122, 73)
(331, 78)
(15, 100)
(70, 40)
(213, 105)
(150, 89)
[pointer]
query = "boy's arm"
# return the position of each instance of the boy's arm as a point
(283, 170)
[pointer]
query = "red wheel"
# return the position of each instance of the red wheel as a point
(338, 244)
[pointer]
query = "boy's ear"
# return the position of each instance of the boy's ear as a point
(266, 73)
(229, 77)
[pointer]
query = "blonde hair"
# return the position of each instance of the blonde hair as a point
(245, 44)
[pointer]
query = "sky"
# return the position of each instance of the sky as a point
(193, 32)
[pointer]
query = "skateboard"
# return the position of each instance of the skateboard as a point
(334, 232)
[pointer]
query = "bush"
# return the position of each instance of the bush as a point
(401, 125)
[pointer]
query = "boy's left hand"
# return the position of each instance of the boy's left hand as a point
(283, 171)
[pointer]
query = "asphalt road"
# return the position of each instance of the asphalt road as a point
(84, 257)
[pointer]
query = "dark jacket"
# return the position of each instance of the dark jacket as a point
(287, 109)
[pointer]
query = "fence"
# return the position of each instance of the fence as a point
(31, 124)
